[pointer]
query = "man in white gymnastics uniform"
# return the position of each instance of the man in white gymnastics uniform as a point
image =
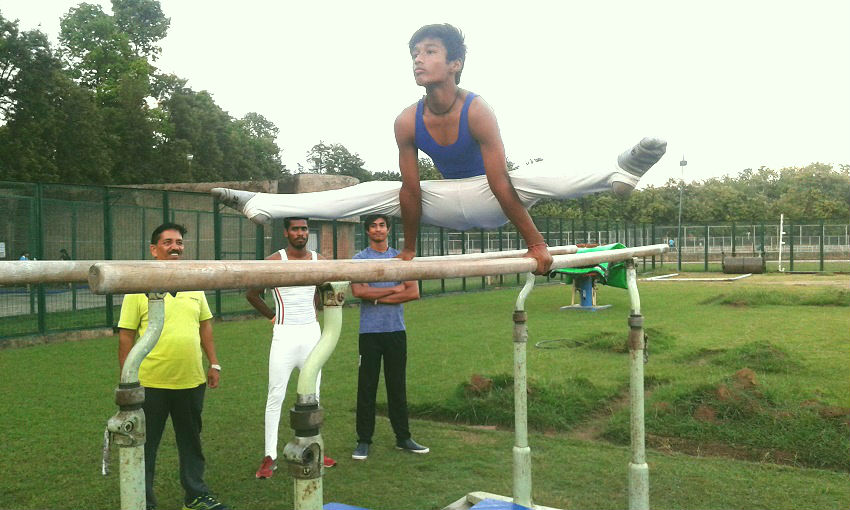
(296, 333)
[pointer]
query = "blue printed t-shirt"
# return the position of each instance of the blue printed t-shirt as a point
(380, 318)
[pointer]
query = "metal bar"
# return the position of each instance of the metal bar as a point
(19, 273)
(638, 468)
(521, 450)
(136, 276)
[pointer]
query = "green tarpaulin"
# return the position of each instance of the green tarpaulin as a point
(613, 274)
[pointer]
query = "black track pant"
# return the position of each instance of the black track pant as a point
(184, 407)
(392, 347)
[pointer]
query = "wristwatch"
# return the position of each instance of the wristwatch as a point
(216, 366)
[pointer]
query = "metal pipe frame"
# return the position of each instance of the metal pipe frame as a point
(521, 450)
(127, 427)
(120, 277)
(638, 468)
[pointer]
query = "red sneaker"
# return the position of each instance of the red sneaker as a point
(267, 468)
(329, 462)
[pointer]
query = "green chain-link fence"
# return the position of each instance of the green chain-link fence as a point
(114, 223)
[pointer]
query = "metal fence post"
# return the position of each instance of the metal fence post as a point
(107, 249)
(442, 252)
(822, 232)
(790, 245)
(334, 230)
(652, 241)
(217, 248)
(166, 209)
(463, 251)
(38, 253)
(259, 242)
(483, 278)
(501, 277)
(733, 239)
(705, 243)
(74, 252)
(418, 251)
(679, 249)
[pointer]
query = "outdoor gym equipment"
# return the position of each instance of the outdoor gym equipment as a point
(304, 453)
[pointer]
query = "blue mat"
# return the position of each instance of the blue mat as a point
(484, 504)
(495, 504)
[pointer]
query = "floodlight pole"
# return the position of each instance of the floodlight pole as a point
(682, 165)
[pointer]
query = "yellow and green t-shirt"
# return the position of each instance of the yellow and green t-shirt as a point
(175, 361)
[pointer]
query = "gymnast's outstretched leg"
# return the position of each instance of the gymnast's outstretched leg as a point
(460, 204)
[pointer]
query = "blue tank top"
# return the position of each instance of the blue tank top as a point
(458, 160)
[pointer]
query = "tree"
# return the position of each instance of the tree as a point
(335, 159)
(143, 23)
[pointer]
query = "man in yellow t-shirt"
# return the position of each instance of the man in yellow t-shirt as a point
(173, 373)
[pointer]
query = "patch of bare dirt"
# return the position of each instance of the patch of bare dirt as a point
(705, 413)
(478, 385)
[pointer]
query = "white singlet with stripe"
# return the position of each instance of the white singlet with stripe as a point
(294, 305)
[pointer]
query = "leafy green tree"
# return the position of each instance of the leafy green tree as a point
(335, 159)
(94, 47)
(144, 24)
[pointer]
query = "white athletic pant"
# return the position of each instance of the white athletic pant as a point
(460, 204)
(291, 344)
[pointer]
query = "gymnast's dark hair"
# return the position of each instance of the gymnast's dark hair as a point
(451, 37)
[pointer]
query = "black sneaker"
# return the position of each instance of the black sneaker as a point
(411, 446)
(361, 452)
(205, 502)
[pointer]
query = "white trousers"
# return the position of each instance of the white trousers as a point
(460, 204)
(291, 344)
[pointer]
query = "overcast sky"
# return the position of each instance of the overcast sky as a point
(729, 84)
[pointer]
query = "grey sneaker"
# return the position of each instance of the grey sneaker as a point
(411, 446)
(640, 158)
(361, 452)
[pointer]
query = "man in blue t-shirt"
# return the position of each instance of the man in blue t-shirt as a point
(382, 335)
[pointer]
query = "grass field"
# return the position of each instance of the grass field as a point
(748, 405)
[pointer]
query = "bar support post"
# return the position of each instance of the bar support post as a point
(521, 450)
(638, 468)
(304, 454)
(127, 427)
